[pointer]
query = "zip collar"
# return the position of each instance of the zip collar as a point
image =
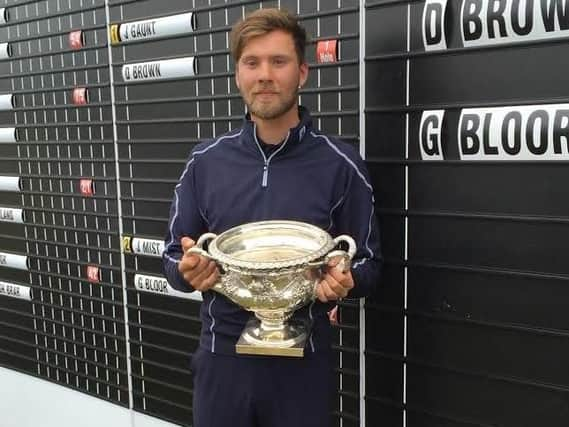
(267, 160)
(295, 135)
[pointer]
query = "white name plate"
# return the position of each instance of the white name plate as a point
(140, 246)
(159, 285)
(8, 135)
(160, 70)
(12, 215)
(527, 132)
(154, 28)
(6, 102)
(19, 262)
(10, 183)
(517, 21)
(434, 37)
(15, 291)
(5, 51)
(3, 15)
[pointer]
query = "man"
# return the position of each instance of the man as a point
(276, 166)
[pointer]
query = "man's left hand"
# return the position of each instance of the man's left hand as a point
(335, 284)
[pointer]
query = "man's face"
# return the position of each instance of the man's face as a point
(268, 75)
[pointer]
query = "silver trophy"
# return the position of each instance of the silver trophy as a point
(272, 268)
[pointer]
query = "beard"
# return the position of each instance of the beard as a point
(271, 110)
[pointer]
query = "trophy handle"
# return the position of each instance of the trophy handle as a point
(346, 257)
(198, 248)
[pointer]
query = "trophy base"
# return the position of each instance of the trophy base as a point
(288, 341)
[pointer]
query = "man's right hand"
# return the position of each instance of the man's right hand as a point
(197, 270)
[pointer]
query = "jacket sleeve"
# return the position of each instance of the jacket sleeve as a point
(185, 220)
(356, 218)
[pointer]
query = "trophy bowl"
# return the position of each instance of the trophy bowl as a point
(272, 268)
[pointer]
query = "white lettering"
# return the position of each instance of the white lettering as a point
(326, 57)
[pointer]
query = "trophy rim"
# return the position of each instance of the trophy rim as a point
(272, 225)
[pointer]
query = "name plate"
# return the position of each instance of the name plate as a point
(5, 51)
(527, 132)
(10, 183)
(140, 246)
(4, 17)
(159, 285)
(19, 262)
(430, 135)
(434, 31)
(8, 135)
(12, 215)
(160, 70)
(6, 102)
(15, 291)
(153, 28)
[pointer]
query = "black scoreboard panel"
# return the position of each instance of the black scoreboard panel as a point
(104, 119)
(158, 123)
(70, 329)
(474, 99)
(466, 136)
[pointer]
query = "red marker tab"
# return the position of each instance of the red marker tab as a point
(87, 187)
(327, 51)
(76, 39)
(80, 96)
(93, 274)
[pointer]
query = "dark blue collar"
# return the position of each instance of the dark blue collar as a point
(296, 134)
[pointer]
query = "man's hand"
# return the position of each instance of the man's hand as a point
(335, 284)
(197, 270)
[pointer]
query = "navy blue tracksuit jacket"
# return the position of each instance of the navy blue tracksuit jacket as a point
(310, 177)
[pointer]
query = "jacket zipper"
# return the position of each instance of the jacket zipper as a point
(264, 182)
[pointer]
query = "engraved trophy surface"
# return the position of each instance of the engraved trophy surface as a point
(272, 268)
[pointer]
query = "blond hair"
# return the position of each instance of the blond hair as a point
(262, 22)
